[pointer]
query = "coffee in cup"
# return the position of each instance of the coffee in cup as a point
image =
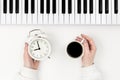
(75, 49)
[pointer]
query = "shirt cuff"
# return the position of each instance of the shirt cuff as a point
(89, 69)
(29, 73)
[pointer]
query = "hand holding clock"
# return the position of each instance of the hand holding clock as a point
(28, 61)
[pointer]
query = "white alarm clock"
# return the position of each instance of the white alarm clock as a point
(39, 47)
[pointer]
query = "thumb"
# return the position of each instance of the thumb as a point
(26, 49)
(26, 55)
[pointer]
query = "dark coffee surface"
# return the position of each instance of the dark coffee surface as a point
(74, 49)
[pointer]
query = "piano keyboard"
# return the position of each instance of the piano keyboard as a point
(60, 12)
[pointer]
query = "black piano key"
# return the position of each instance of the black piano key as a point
(42, 6)
(63, 7)
(69, 6)
(91, 7)
(54, 6)
(17, 6)
(106, 6)
(100, 7)
(11, 6)
(32, 6)
(26, 6)
(79, 6)
(4, 6)
(48, 6)
(116, 6)
(85, 6)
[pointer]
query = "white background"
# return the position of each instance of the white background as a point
(60, 66)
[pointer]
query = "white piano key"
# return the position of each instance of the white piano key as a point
(51, 18)
(8, 18)
(24, 16)
(98, 16)
(19, 15)
(83, 16)
(61, 16)
(114, 19)
(66, 17)
(14, 18)
(103, 14)
(46, 19)
(35, 15)
(8, 15)
(46, 16)
(92, 16)
(118, 15)
(73, 12)
(77, 16)
(56, 16)
(29, 15)
(40, 16)
(3, 16)
(14, 14)
(109, 21)
(88, 14)
(72, 18)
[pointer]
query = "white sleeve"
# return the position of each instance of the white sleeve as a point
(27, 74)
(91, 73)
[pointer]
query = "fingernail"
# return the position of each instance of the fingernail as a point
(26, 44)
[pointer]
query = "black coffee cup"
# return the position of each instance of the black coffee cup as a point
(75, 49)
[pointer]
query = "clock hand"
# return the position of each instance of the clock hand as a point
(38, 45)
(36, 49)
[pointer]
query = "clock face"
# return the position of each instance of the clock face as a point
(39, 49)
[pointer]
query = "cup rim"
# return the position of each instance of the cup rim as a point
(82, 50)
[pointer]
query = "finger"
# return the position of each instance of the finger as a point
(86, 46)
(36, 62)
(90, 42)
(78, 39)
(26, 55)
(85, 43)
(26, 48)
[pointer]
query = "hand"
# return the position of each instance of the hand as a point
(28, 61)
(89, 50)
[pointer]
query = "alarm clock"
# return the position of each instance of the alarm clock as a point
(39, 47)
